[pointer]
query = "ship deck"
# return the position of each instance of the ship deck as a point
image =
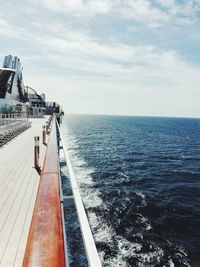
(19, 184)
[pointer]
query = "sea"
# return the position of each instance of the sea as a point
(140, 183)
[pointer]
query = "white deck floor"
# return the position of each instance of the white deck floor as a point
(18, 188)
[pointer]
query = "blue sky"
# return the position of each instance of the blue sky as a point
(134, 57)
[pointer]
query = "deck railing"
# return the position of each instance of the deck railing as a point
(11, 125)
(45, 246)
(88, 240)
(12, 117)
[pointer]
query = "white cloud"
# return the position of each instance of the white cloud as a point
(77, 7)
(96, 69)
(182, 13)
(142, 10)
(3, 23)
(79, 53)
(81, 56)
(145, 11)
(8, 29)
(166, 3)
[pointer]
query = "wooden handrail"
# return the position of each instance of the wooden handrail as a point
(45, 245)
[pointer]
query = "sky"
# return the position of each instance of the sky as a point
(126, 57)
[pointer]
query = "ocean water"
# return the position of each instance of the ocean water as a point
(140, 183)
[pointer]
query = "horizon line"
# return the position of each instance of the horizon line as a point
(132, 115)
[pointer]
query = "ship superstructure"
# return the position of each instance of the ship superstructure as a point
(14, 96)
(11, 80)
(37, 103)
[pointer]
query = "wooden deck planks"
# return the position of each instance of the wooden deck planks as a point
(19, 184)
(23, 238)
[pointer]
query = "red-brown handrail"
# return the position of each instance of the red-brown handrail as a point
(45, 245)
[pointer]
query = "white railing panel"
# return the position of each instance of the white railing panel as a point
(88, 240)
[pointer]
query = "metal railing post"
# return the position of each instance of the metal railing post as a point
(44, 135)
(37, 153)
(46, 127)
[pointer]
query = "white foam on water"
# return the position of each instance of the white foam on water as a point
(103, 232)
(83, 174)
(91, 198)
(181, 253)
(144, 221)
(151, 257)
(106, 234)
(115, 262)
(182, 250)
(125, 177)
(125, 249)
(170, 263)
(142, 196)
